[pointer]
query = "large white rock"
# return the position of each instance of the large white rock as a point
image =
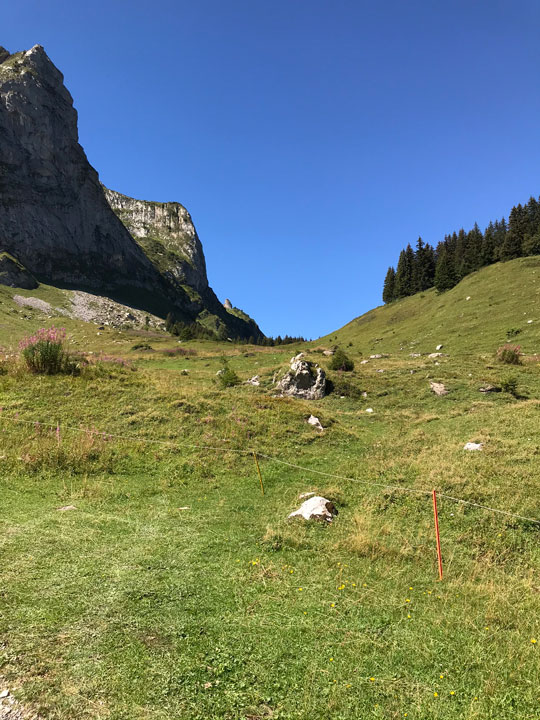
(303, 380)
(316, 508)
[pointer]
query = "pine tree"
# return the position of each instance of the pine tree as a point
(404, 282)
(517, 226)
(389, 286)
(424, 266)
(473, 250)
(459, 254)
(488, 246)
(531, 244)
(445, 274)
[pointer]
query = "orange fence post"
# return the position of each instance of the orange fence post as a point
(437, 536)
(259, 471)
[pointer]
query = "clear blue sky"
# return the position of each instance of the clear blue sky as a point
(309, 139)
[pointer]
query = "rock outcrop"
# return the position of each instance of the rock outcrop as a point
(303, 380)
(13, 274)
(58, 221)
(166, 233)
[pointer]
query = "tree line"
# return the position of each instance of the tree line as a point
(194, 331)
(463, 252)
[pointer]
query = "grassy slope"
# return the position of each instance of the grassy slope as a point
(129, 607)
(503, 296)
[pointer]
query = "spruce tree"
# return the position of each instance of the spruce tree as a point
(488, 246)
(424, 266)
(389, 286)
(531, 244)
(512, 245)
(459, 255)
(404, 284)
(473, 250)
(445, 275)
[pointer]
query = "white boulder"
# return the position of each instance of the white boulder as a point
(312, 420)
(438, 388)
(473, 446)
(303, 380)
(316, 508)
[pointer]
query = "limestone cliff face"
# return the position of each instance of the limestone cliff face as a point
(58, 221)
(167, 235)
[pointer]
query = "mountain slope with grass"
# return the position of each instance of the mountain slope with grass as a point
(145, 575)
(488, 308)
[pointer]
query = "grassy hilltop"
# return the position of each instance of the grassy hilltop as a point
(173, 589)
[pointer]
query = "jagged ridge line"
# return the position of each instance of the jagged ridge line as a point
(172, 444)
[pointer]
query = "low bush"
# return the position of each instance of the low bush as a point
(44, 353)
(509, 354)
(341, 361)
(226, 377)
(510, 385)
(342, 386)
(179, 352)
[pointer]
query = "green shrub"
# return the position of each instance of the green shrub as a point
(341, 361)
(341, 385)
(510, 385)
(226, 377)
(509, 354)
(44, 353)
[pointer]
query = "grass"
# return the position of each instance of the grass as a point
(130, 606)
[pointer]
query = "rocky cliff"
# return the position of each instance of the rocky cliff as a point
(167, 235)
(66, 229)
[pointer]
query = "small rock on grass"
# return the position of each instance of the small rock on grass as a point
(473, 446)
(4, 693)
(489, 389)
(66, 507)
(312, 420)
(438, 388)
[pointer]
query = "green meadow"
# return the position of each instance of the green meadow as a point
(173, 588)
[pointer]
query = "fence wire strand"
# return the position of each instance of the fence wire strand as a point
(272, 458)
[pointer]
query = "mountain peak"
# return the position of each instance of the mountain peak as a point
(66, 229)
